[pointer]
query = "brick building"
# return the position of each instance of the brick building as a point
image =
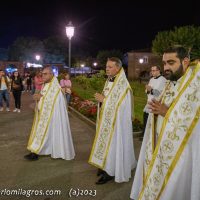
(140, 62)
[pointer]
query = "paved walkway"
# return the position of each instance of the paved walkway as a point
(46, 173)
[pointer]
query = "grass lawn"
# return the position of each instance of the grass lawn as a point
(138, 92)
(140, 98)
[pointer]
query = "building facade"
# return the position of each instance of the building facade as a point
(9, 66)
(140, 63)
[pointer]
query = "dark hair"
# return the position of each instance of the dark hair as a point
(117, 61)
(180, 51)
(157, 67)
(14, 73)
(64, 74)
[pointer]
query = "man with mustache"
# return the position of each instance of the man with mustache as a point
(169, 161)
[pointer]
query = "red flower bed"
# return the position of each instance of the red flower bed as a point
(89, 109)
(85, 107)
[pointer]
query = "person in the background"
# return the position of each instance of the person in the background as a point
(66, 85)
(38, 82)
(153, 89)
(4, 91)
(24, 85)
(51, 133)
(16, 88)
(29, 83)
(33, 83)
(9, 75)
(113, 150)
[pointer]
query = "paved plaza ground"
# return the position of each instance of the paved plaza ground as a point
(48, 174)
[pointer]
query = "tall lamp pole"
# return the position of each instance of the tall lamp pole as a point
(70, 34)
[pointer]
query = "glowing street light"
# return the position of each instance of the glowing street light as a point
(95, 64)
(37, 57)
(70, 33)
(82, 66)
(141, 60)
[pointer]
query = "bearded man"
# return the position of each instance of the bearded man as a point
(169, 161)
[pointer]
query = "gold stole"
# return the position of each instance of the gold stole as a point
(153, 123)
(176, 130)
(43, 116)
(107, 118)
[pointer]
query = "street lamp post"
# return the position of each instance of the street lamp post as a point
(38, 62)
(82, 66)
(70, 34)
(95, 64)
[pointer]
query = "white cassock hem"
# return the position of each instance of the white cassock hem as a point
(58, 141)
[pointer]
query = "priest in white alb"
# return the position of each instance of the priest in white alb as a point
(169, 162)
(50, 134)
(113, 151)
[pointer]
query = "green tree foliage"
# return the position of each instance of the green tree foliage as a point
(96, 82)
(25, 49)
(102, 56)
(56, 49)
(56, 45)
(186, 36)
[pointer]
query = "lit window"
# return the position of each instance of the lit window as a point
(145, 58)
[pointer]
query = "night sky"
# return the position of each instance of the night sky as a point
(124, 25)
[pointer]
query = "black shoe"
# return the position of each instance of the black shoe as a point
(100, 172)
(104, 179)
(31, 156)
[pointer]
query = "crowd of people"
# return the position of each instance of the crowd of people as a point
(170, 148)
(16, 84)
